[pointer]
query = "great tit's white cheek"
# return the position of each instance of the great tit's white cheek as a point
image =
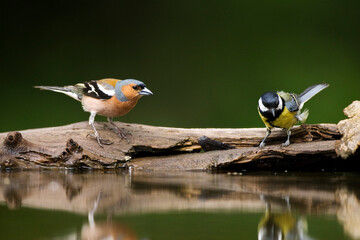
(262, 107)
(280, 105)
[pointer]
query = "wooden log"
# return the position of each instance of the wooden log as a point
(161, 148)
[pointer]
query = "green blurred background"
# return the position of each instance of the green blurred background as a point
(207, 62)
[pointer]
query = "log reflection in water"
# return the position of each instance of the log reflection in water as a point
(140, 192)
(123, 192)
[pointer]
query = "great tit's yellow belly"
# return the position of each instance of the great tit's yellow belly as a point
(286, 120)
(285, 221)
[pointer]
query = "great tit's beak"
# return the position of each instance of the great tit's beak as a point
(272, 110)
(145, 91)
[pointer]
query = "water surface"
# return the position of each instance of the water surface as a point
(186, 205)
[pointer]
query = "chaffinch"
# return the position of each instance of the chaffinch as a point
(106, 97)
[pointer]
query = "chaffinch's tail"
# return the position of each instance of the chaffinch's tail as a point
(72, 91)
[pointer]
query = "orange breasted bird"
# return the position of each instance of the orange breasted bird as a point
(283, 110)
(106, 97)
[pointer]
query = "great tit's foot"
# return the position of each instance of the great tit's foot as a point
(100, 140)
(268, 132)
(285, 144)
(262, 197)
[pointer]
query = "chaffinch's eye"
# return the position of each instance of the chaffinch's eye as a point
(135, 87)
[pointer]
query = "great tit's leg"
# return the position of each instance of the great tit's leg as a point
(117, 130)
(96, 135)
(267, 204)
(268, 132)
(287, 143)
(287, 200)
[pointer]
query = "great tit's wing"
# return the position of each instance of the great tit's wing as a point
(285, 95)
(311, 91)
(291, 100)
(293, 104)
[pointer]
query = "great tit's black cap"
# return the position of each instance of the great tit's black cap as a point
(270, 99)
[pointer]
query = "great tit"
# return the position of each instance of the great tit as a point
(282, 225)
(283, 110)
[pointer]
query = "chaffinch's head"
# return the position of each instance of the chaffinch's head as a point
(129, 89)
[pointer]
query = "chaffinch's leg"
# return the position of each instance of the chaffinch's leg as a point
(117, 130)
(92, 211)
(96, 134)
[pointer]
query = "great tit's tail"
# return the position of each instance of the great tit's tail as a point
(311, 91)
(71, 91)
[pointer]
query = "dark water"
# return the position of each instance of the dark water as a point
(195, 205)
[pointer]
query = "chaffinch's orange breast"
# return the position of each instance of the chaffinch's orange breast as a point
(109, 108)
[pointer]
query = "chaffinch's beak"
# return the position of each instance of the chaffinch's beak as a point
(145, 91)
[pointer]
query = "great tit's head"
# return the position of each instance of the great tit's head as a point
(271, 105)
(131, 89)
(270, 232)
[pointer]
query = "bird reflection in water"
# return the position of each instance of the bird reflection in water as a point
(105, 230)
(282, 224)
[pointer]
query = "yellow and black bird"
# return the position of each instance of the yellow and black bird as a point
(282, 225)
(106, 97)
(283, 110)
